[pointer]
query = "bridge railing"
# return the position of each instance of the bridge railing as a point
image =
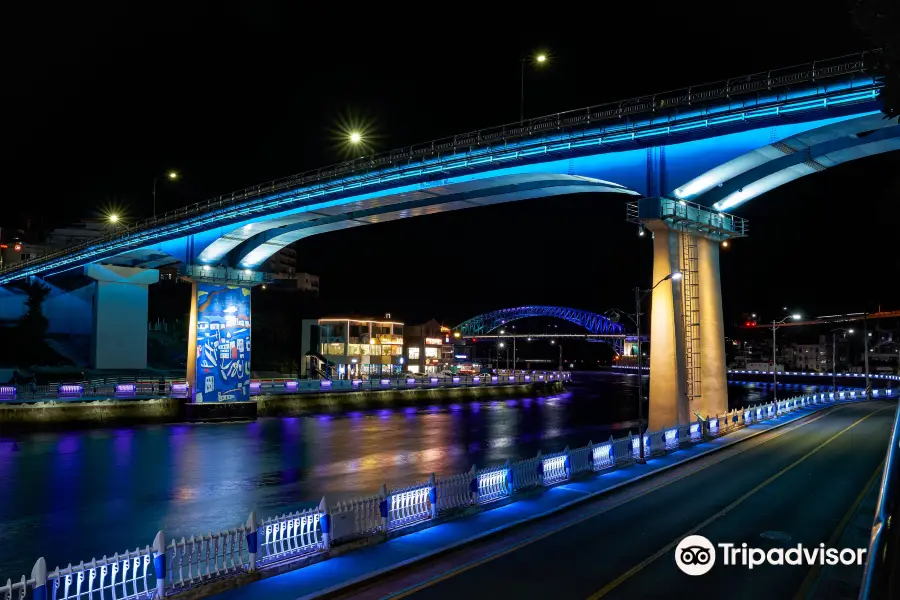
(353, 172)
(161, 569)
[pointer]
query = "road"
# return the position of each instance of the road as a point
(799, 484)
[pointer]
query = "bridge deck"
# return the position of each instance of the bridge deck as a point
(577, 552)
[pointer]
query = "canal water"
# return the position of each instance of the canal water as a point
(72, 496)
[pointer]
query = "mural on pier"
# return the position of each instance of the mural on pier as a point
(223, 343)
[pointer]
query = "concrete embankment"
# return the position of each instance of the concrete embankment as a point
(117, 412)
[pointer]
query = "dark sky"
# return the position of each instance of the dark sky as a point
(96, 101)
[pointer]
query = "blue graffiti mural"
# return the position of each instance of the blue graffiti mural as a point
(223, 343)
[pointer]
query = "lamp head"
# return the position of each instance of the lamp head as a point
(674, 276)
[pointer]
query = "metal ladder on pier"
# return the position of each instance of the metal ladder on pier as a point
(691, 300)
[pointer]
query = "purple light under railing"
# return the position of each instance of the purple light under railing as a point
(494, 379)
(255, 387)
(291, 385)
(70, 390)
(7, 392)
(325, 383)
(356, 382)
(456, 380)
(410, 381)
(476, 379)
(512, 378)
(180, 390)
(528, 378)
(541, 377)
(551, 377)
(385, 382)
(125, 389)
(434, 381)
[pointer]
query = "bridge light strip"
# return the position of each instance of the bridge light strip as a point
(132, 241)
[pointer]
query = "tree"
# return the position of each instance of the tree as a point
(31, 330)
(879, 22)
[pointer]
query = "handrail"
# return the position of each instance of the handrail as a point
(747, 84)
(879, 580)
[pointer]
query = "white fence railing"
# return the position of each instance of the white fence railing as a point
(161, 569)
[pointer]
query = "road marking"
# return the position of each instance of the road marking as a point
(668, 548)
(813, 573)
(528, 541)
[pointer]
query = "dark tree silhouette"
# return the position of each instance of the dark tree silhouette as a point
(879, 22)
(31, 330)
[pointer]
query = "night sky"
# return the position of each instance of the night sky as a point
(98, 101)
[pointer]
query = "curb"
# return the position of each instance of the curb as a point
(345, 585)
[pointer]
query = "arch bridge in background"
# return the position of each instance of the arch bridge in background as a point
(488, 322)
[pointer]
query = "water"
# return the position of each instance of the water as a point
(72, 496)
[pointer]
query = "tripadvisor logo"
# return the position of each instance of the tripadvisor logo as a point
(696, 555)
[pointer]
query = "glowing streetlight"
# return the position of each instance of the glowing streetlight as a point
(355, 137)
(538, 59)
(171, 176)
(113, 218)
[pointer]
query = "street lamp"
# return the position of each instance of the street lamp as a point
(171, 176)
(639, 296)
(834, 355)
(355, 137)
(560, 354)
(775, 325)
(538, 59)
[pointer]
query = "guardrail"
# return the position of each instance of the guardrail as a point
(201, 559)
(879, 581)
(882, 376)
(109, 387)
(512, 136)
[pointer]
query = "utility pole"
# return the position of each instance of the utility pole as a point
(866, 350)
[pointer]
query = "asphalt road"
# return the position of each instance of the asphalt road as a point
(799, 484)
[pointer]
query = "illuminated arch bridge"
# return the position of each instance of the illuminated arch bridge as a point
(484, 324)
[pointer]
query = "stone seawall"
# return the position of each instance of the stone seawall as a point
(117, 412)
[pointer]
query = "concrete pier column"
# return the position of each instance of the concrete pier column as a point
(119, 314)
(714, 400)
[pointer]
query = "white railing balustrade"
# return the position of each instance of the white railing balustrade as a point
(526, 473)
(603, 455)
(493, 483)
(290, 535)
(454, 491)
(161, 569)
(555, 467)
(581, 460)
(409, 505)
(356, 518)
(200, 558)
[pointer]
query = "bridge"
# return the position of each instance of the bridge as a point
(690, 154)
(488, 322)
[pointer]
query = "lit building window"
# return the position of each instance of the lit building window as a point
(413, 368)
(431, 352)
(414, 353)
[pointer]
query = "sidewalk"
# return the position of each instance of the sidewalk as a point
(362, 564)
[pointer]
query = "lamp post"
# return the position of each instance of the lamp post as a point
(537, 59)
(866, 349)
(639, 296)
(171, 176)
(560, 354)
(775, 325)
(834, 355)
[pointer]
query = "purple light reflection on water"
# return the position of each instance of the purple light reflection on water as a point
(190, 478)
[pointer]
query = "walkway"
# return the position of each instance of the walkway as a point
(578, 561)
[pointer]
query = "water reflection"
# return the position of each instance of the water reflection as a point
(77, 495)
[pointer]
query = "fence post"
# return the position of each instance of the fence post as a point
(590, 448)
(540, 468)
(510, 487)
(566, 464)
(432, 496)
(325, 523)
(473, 484)
(383, 507)
(39, 574)
(252, 539)
(159, 563)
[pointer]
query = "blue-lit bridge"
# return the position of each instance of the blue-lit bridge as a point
(692, 153)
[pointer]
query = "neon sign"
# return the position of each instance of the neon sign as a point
(433, 341)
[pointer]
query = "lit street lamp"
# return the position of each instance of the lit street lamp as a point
(775, 325)
(538, 59)
(639, 296)
(355, 137)
(171, 176)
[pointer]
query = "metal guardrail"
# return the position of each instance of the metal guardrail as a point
(201, 559)
(880, 577)
(358, 171)
(109, 387)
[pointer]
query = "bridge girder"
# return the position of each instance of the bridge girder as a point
(487, 322)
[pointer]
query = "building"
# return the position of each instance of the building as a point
(807, 357)
(85, 230)
(425, 347)
(351, 347)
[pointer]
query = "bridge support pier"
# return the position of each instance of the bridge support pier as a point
(687, 333)
(119, 316)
